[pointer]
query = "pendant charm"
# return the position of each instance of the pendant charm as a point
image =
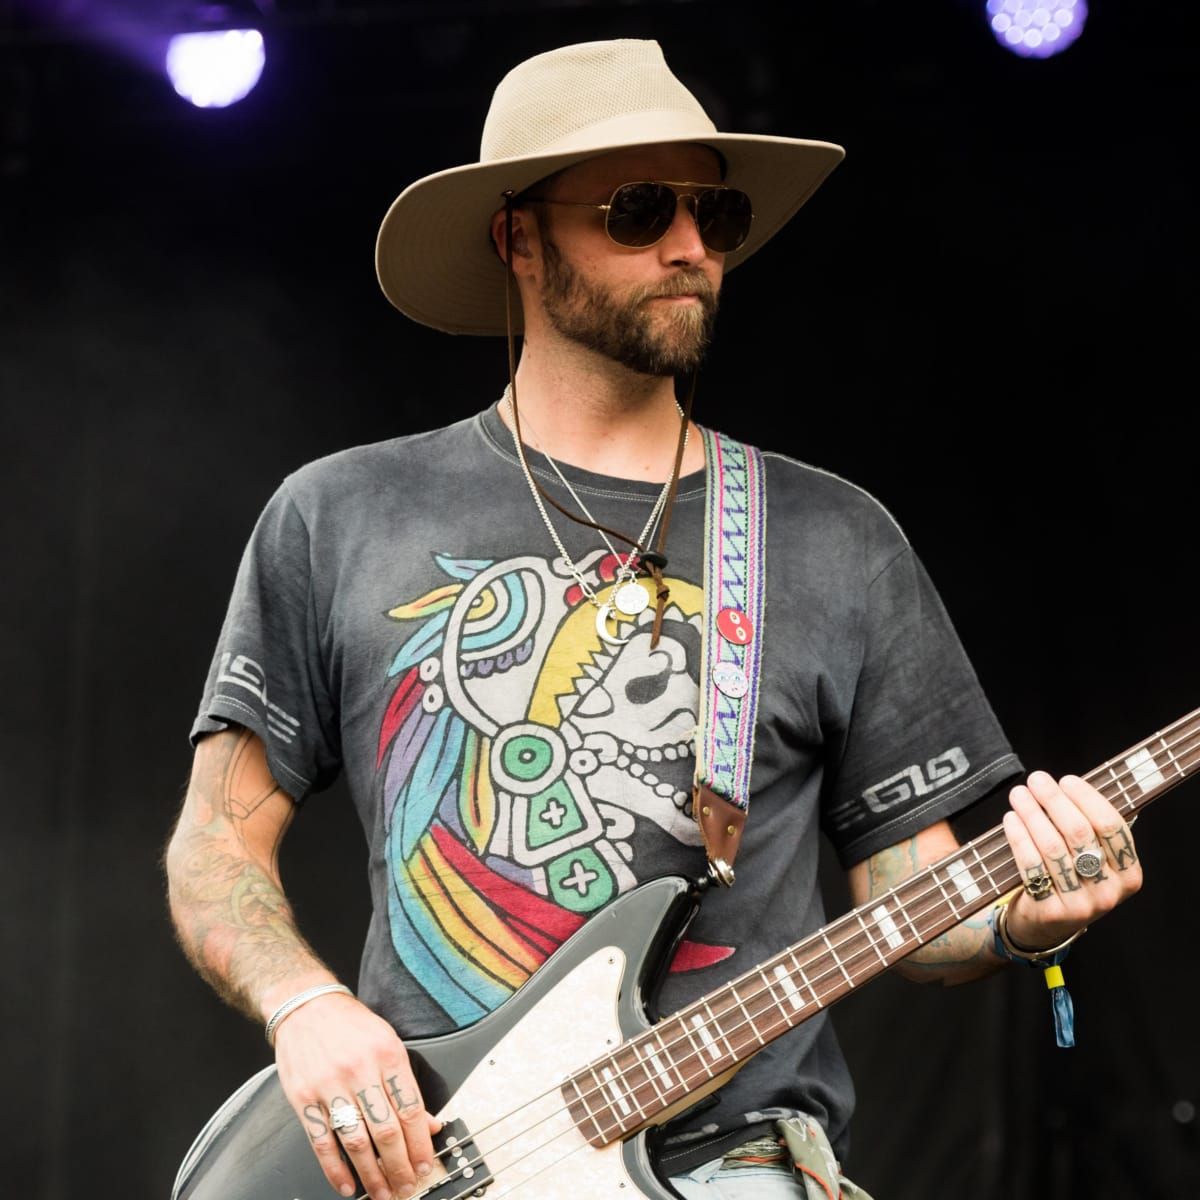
(602, 615)
(631, 598)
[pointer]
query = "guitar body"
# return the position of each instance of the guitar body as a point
(499, 1080)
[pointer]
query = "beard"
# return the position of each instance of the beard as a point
(622, 327)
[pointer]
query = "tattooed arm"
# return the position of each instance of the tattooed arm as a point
(1049, 822)
(236, 926)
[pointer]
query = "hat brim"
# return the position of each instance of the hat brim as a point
(435, 258)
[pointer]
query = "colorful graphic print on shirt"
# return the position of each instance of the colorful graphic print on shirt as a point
(518, 753)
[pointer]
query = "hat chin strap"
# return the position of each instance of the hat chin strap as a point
(654, 562)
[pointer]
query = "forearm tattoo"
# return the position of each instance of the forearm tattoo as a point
(231, 916)
(891, 866)
(958, 954)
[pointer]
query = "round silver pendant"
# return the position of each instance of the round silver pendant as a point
(631, 598)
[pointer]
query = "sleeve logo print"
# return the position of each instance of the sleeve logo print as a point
(916, 780)
(237, 670)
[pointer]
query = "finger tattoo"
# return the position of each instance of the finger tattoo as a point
(315, 1116)
(1120, 846)
(1069, 882)
(400, 1099)
(368, 1108)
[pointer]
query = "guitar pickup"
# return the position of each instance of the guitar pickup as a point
(466, 1173)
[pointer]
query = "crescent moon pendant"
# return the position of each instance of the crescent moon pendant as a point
(602, 615)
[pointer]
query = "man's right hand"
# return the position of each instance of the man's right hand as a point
(334, 1050)
(237, 927)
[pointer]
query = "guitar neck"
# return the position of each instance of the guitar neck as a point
(663, 1067)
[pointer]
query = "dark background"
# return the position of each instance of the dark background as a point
(986, 317)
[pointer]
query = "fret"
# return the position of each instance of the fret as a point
(1126, 803)
(616, 1093)
(837, 960)
(605, 1107)
(651, 1077)
(684, 1053)
(888, 927)
(945, 894)
(790, 990)
(1144, 769)
(902, 905)
(733, 1054)
(664, 1072)
(964, 881)
(1171, 756)
(974, 848)
(871, 940)
(581, 1098)
(638, 1085)
(707, 1042)
(750, 1020)
(807, 983)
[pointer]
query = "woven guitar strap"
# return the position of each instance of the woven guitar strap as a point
(731, 655)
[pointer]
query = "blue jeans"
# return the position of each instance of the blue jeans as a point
(715, 1181)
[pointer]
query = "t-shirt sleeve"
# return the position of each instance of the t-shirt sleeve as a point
(267, 673)
(922, 741)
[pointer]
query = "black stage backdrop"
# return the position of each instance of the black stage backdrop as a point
(986, 317)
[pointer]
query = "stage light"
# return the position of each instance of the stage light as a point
(215, 69)
(216, 52)
(1036, 28)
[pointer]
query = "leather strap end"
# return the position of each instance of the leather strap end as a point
(721, 826)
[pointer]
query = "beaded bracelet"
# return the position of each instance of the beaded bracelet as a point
(293, 1002)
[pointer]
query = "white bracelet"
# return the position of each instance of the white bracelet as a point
(293, 1002)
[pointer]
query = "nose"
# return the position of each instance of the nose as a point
(682, 245)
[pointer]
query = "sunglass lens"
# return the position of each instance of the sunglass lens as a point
(723, 216)
(640, 214)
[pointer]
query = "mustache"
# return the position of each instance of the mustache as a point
(685, 283)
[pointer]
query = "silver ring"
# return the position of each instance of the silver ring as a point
(1089, 864)
(344, 1118)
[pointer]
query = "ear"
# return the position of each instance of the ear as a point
(520, 227)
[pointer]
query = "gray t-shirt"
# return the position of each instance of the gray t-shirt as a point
(401, 613)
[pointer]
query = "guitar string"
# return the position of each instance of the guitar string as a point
(857, 934)
(752, 1020)
(999, 848)
(786, 1025)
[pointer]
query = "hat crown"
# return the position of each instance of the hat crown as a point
(572, 97)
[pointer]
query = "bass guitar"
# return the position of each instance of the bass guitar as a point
(517, 1123)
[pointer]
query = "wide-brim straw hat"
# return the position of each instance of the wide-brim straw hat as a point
(434, 255)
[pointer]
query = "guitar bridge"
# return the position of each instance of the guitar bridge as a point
(466, 1173)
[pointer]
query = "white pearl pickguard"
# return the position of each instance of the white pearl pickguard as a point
(512, 1103)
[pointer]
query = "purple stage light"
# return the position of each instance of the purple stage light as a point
(1036, 28)
(217, 68)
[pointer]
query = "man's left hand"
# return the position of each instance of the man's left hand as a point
(1066, 830)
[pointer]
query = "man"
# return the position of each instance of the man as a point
(517, 727)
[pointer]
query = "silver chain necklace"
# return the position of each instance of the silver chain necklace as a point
(629, 597)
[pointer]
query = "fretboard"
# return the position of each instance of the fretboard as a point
(619, 1093)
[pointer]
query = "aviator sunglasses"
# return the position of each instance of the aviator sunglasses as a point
(639, 214)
